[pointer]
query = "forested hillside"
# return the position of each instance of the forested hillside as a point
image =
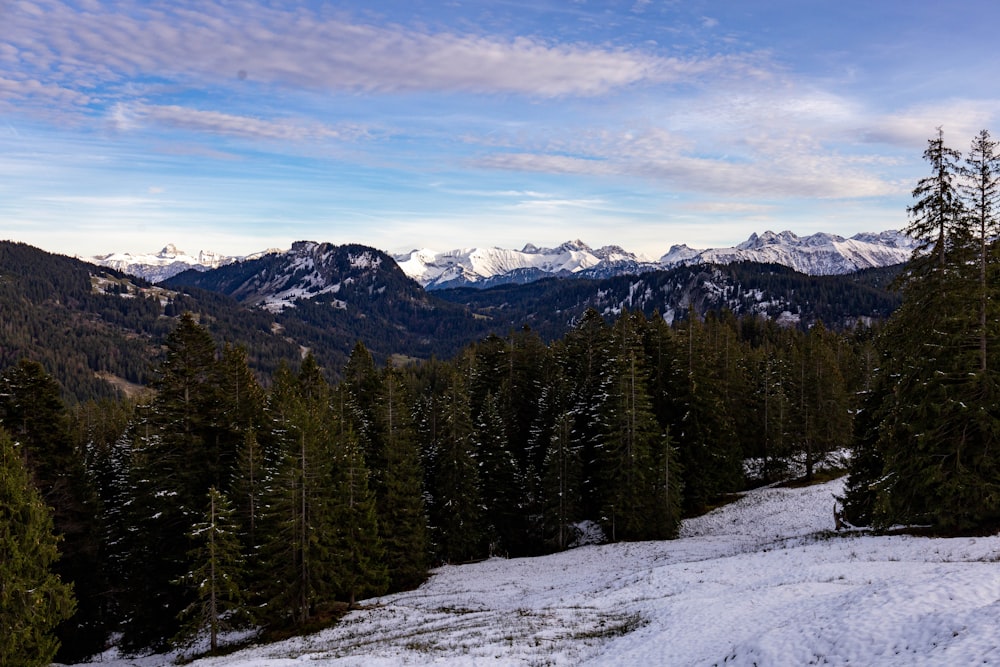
(313, 494)
(769, 290)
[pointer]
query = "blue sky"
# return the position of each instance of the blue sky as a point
(239, 126)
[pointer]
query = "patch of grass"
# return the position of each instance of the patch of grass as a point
(618, 627)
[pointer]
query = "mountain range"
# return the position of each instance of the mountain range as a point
(816, 254)
(168, 262)
(98, 328)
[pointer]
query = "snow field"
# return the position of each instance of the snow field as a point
(762, 581)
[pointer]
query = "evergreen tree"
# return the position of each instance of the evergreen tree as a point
(357, 552)
(249, 489)
(937, 212)
(216, 576)
(401, 512)
(500, 483)
(701, 424)
(822, 408)
(581, 359)
(456, 506)
(300, 536)
(561, 484)
(633, 507)
(981, 192)
(32, 409)
(33, 599)
(940, 416)
(183, 448)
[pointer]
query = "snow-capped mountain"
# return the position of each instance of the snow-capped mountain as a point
(483, 266)
(340, 276)
(818, 254)
(167, 263)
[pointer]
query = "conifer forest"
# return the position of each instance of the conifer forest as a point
(222, 497)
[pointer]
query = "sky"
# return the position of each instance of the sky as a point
(240, 126)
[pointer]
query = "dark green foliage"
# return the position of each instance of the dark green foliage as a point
(399, 497)
(187, 442)
(33, 599)
(501, 485)
(561, 484)
(300, 542)
(357, 553)
(701, 424)
(637, 491)
(32, 410)
(456, 506)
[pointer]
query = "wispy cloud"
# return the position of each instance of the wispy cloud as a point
(218, 42)
(769, 166)
(128, 117)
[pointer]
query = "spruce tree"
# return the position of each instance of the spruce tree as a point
(581, 359)
(183, 447)
(356, 548)
(561, 484)
(980, 188)
(401, 512)
(33, 599)
(633, 505)
(701, 425)
(299, 551)
(456, 506)
(501, 486)
(939, 429)
(216, 576)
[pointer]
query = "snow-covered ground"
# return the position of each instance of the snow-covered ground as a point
(763, 581)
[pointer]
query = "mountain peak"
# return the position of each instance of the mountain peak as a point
(170, 251)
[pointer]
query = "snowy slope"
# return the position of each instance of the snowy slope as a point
(763, 581)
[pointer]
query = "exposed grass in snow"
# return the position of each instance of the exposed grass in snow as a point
(761, 581)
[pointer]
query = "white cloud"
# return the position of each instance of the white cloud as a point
(961, 120)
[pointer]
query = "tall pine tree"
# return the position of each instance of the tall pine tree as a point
(33, 599)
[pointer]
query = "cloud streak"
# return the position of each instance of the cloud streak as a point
(127, 117)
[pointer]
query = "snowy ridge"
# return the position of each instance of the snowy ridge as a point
(762, 581)
(817, 254)
(454, 268)
(168, 262)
